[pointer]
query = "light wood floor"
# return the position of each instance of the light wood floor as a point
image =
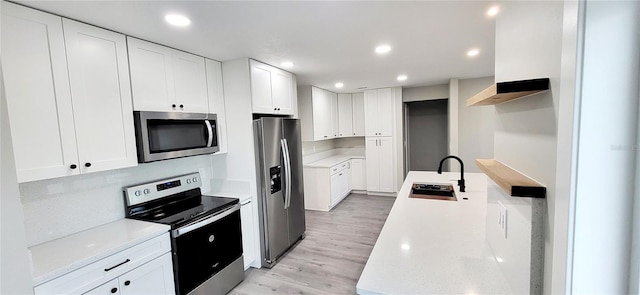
(331, 257)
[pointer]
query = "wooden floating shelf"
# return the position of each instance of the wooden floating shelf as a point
(511, 181)
(506, 91)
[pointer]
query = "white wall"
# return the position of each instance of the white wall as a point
(475, 124)
(528, 45)
(453, 122)
(425, 93)
(607, 148)
(15, 273)
(634, 273)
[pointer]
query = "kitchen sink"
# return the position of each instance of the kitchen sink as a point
(433, 191)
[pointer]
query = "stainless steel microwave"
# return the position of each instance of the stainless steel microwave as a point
(169, 135)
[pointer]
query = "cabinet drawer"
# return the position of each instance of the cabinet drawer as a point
(106, 269)
(337, 168)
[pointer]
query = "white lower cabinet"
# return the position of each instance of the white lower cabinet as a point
(380, 168)
(248, 243)
(154, 277)
(145, 268)
(358, 174)
(325, 187)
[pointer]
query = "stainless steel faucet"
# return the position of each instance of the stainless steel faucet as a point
(461, 181)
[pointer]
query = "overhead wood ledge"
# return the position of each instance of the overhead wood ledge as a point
(511, 181)
(506, 91)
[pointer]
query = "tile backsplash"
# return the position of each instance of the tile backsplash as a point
(59, 207)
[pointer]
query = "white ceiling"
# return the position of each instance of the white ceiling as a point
(328, 41)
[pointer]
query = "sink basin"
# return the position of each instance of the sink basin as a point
(433, 191)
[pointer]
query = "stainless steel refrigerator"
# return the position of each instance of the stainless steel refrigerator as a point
(278, 148)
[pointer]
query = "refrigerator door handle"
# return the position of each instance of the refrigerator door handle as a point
(287, 171)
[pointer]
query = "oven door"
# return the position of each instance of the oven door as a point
(206, 247)
(162, 136)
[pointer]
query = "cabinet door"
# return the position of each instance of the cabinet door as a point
(373, 164)
(282, 91)
(248, 243)
(110, 287)
(333, 100)
(371, 112)
(101, 97)
(336, 189)
(190, 82)
(358, 174)
(151, 76)
(385, 112)
(215, 93)
(358, 114)
(261, 88)
(345, 176)
(386, 168)
(321, 105)
(37, 93)
(345, 115)
(153, 277)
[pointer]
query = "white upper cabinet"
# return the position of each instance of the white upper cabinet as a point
(358, 114)
(216, 101)
(38, 94)
(164, 79)
(333, 115)
(322, 127)
(271, 89)
(69, 113)
(378, 105)
(345, 115)
(101, 96)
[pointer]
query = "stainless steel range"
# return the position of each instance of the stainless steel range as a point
(206, 237)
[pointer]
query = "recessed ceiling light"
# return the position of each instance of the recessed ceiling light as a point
(339, 85)
(382, 49)
(177, 20)
(473, 52)
(493, 11)
(287, 64)
(402, 77)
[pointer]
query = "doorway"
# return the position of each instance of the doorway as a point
(426, 131)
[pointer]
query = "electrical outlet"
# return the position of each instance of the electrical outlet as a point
(503, 218)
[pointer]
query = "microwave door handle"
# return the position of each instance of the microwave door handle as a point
(210, 130)
(287, 164)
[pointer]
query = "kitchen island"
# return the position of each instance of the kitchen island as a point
(435, 246)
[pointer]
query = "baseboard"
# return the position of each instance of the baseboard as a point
(393, 195)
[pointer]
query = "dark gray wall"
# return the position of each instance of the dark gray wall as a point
(427, 136)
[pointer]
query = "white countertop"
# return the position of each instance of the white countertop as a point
(58, 257)
(332, 160)
(435, 247)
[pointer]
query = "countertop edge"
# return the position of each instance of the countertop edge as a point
(338, 159)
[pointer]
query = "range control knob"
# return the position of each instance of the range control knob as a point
(188, 181)
(137, 193)
(146, 191)
(195, 179)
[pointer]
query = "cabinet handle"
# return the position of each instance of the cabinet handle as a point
(114, 290)
(121, 263)
(340, 174)
(275, 109)
(73, 166)
(325, 136)
(127, 283)
(87, 164)
(182, 106)
(173, 105)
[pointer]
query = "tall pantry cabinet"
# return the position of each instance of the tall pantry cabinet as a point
(381, 150)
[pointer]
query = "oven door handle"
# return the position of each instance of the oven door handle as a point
(210, 130)
(200, 223)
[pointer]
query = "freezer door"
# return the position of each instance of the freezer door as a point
(291, 130)
(271, 202)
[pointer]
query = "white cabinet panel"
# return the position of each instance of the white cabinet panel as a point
(372, 154)
(99, 79)
(190, 82)
(151, 76)
(371, 112)
(358, 114)
(248, 243)
(282, 91)
(154, 277)
(333, 99)
(322, 108)
(358, 174)
(345, 115)
(38, 93)
(215, 94)
(386, 165)
(261, 88)
(385, 112)
(336, 189)
(111, 287)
